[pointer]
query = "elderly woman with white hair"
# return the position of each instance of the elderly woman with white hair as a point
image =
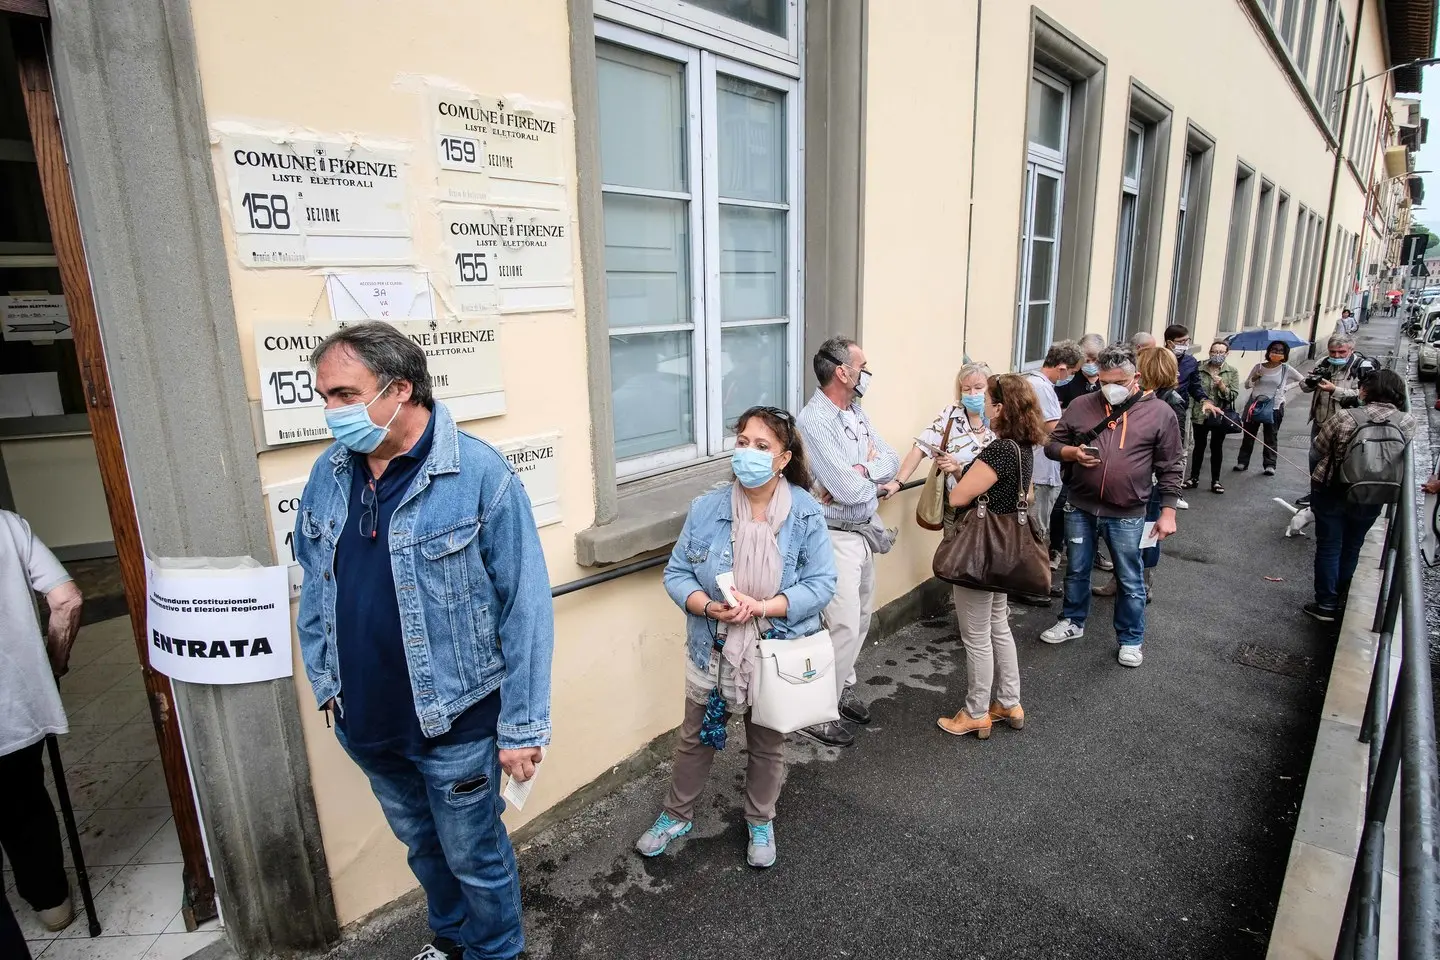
(958, 433)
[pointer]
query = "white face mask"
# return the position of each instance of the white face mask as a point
(1115, 393)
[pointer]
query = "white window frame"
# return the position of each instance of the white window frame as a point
(702, 69)
(1125, 252)
(705, 29)
(1039, 157)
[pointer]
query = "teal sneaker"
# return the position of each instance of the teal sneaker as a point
(653, 842)
(761, 852)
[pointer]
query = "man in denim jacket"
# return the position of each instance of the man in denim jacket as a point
(426, 625)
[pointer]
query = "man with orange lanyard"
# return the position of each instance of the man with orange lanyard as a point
(1115, 444)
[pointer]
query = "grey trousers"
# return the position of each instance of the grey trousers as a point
(990, 660)
(764, 768)
(1045, 496)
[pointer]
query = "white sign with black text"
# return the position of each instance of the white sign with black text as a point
(355, 297)
(301, 202)
(463, 355)
(218, 626)
(534, 460)
(489, 148)
(516, 258)
(284, 501)
(35, 317)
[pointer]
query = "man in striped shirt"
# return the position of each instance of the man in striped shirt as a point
(853, 470)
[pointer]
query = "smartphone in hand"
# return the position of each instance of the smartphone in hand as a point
(1090, 451)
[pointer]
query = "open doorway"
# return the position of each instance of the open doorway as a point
(63, 470)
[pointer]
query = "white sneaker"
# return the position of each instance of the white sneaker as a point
(1180, 504)
(1062, 631)
(1130, 655)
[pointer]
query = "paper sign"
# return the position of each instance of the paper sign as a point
(488, 148)
(1147, 535)
(301, 202)
(30, 395)
(515, 259)
(463, 357)
(534, 461)
(355, 297)
(230, 626)
(37, 317)
(284, 502)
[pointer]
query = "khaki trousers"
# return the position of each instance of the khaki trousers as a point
(764, 768)
(847, 616)
(990, 661)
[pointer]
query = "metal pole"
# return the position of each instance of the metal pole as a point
(1360, 929)
(1377, 707)
(57, 770)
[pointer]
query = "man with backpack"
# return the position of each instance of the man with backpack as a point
(1359, 458)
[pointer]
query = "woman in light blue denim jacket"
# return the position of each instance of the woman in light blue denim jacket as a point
(779, 552)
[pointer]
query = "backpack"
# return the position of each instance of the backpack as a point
(1372, 471)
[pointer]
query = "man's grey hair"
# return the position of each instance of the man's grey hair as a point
(1117, 356)
(1340, 340)
(1142, 340)
(832, 355)
(1092, 344)
(385, 352)
(1064, 353)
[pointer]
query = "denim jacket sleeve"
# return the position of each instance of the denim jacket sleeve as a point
(815, 587)
(309, 621)
(680, 577)
(525, 618)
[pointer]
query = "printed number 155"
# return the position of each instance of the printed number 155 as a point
(472, 268)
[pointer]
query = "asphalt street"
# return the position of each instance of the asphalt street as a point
(1140, 813)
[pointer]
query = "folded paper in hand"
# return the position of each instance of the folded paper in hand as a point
(517, 792)
(1147, 536)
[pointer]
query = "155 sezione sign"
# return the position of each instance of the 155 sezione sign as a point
(306, 202)
(488, 148)
(463, 357)
(515, 259)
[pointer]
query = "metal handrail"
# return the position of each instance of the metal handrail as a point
(624, 570)
(1406, 736)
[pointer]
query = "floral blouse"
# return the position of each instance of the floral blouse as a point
(965, 442)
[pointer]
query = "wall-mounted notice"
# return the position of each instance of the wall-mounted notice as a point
(516, 259)
(303, 202)
(534, 460)
(284, 501)
(35, 317)
(379, 296)
(219, 626)
(489, 148)
(463, 356)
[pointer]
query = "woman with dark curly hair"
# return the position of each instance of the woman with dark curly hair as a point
(1001, 473)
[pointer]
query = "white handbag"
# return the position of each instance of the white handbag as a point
(796, 684)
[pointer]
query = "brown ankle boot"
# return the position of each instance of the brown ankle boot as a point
(1109, 590)
(1014, 716)
(962, 723)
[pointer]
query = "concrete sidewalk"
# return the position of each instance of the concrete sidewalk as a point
(1141, 813)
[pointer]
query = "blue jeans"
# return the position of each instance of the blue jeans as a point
(1083, 532)
(1340, 530)
(1152, 514)
(444, 804)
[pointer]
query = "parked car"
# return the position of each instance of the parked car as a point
(1428, 366)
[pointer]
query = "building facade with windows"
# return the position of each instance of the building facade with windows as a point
(734, 181)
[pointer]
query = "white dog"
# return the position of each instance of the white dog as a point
(1301, 517)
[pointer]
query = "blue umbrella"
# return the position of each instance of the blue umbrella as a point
(1260, 339)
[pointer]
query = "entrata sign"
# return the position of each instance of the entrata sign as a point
(219, 626)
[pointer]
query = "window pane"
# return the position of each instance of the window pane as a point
(1037, 332)
(1047, 115)
(768, 15)
(752, 370)
(1042, 258)
(1047, 205)
(752, 263)
(642, 119)
(752, 141)
(650, 375)
(1134, 139)
(647, 261)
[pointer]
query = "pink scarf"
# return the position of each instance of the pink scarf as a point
(757, 575)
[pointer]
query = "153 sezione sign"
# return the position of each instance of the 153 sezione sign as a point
(305, 202)
(464, 363)
(514, 259)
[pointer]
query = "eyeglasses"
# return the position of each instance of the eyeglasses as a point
(370, 519)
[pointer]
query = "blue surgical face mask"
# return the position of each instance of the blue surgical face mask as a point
(352, 426)
(753, 468)
(1216, 359)
(1338, 361)
(974, 402)
(1061, 383)
(1090, 369)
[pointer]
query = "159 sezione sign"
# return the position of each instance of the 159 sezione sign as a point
(307, 202)
(463, 356)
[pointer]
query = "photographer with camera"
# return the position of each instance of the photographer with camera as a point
(1335, 381)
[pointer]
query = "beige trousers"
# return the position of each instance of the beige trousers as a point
(847, 616)
(990, 661)
(764, 768)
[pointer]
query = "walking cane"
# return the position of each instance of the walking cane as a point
(57, 770)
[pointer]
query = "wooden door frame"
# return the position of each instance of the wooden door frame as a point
(30, 38)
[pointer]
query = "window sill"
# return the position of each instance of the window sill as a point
(651, 513)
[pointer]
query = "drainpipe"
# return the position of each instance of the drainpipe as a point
(1335, 177)
(970, 216)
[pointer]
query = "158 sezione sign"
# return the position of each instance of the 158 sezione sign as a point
(515, 259)
(489, 148)
(463, 356)
(306, 202)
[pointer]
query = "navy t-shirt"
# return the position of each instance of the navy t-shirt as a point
(378, 705)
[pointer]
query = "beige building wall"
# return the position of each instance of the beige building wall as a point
(358, 66)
